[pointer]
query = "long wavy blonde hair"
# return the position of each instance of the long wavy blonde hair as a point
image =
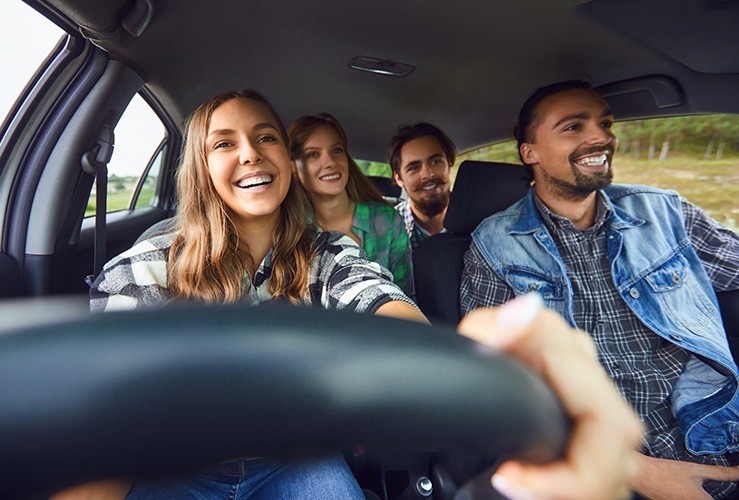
(207, 260)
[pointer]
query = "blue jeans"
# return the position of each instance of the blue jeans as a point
(315, 479)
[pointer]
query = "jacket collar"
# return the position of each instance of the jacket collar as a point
(529, 220)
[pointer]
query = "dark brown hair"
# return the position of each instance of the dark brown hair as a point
(527, 119)
(407, 133)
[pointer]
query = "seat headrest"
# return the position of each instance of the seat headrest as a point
(481, 189)
(386, 185)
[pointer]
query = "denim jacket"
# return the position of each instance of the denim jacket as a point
(660, 277)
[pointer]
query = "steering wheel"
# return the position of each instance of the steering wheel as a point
(152, 393)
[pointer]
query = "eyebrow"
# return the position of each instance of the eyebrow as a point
(258, 127)
(416, 162)
(582, 116)
(316, 148)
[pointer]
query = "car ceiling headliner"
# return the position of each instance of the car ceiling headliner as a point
(476, 60)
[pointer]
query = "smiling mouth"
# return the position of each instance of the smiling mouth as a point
(429, 187)
(330, 177)
(254, 182)
(593, 161)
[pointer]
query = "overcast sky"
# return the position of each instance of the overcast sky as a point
(26, 38)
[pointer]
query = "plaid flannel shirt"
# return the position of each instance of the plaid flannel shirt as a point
(341, 277)
(385, 241)
(416, 233)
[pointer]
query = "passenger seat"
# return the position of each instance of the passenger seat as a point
(480, 190)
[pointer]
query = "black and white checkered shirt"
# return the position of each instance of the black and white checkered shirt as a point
(341, 278)
(644, 366)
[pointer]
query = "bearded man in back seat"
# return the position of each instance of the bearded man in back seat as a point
(421, 157)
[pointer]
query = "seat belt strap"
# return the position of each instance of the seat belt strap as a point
(95, 162)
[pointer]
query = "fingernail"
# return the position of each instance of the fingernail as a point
(503, 487)
(520, 311)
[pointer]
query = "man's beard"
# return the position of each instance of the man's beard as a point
(434, 205)
(583, 184)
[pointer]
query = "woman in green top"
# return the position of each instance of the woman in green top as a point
(344, 199)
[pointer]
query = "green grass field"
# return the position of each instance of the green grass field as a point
(712, 185)
(120, 199)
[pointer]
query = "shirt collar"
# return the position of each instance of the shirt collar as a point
(264, 271)
(361, 217)
(554, 221)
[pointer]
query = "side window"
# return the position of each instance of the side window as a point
(148, 184)
(375, 168)
(697, 156)
(139, 150)
(22, 60)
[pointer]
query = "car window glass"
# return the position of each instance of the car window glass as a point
(698, 156)
(374, 168)
(138, 137)
(17, 21)
(147, 192)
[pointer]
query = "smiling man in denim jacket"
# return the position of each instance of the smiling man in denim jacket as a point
(635, 267)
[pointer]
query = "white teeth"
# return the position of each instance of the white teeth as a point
(429, 187)
(594, 160)
(254, 181)
(331, 177)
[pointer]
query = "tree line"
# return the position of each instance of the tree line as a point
(713, 136)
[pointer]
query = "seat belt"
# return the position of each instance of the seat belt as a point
(95, 162)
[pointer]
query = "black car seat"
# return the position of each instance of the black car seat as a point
(386, 185)
(480, 190)
(729, 304)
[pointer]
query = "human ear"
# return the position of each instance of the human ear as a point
(528, 154)
(399, 182)
(297, 170)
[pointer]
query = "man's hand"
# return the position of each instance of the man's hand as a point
(660, 479)
(600, 458)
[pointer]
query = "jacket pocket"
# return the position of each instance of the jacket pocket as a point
(669, 276)
(524, 281)
(685, 302)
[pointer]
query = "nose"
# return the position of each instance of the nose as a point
(426, 170)
(329, 159)
(600, 135)
(249, 154)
